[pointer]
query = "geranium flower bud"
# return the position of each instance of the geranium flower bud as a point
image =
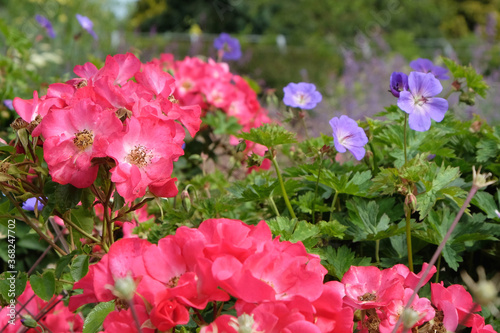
(241, 146)
(411, 201)
(186, 200)
(481, 180)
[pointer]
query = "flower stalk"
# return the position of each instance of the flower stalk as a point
(282, 184)
(479, 181)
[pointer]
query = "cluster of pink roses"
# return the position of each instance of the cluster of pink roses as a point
(384, 294)
(124, 113)
(278, 282)
(278, 287)
(212, 86)
(53, 316)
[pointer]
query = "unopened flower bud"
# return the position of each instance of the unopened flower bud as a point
(468, 98)
(410, 203)
(484, 291)
(475, 126)
(186, 200)
(245, 323)
(480, 180)
(410, 318)
(254, 160)
(456, 85)
(124, 288)
(241, 146)
(28, 321)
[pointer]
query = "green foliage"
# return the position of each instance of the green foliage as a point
(93, 321)
(5, 281)
(44, 285)
(368, 220)
(486, 202)
(60, 197)
(474, 81)
(439, 183)
(221, 123)
(269, 135)
(63, 263)
(437, 224)
(338, 261)
(348, 183)
(79, 267)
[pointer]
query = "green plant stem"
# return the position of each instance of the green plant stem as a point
(332, 207)
(437, 253)
(34, 226)
(107, 215)
(377, 250)
(404, 134)
(408, 240)
(316, 188)
(135, 317)
(303, 121)
(375, 168)
(134, 207)
(438, 268)
(282, 184)
(77, 228)
(273, 206)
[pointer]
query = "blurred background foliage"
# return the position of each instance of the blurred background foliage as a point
(347, 47)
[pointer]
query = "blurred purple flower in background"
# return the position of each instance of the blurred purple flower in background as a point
(8, 104)
(86, 24)
(426, 66)
(228, 46)
(301, 95)
(45, 23)
(399, 82)
(420, 102)
(30, 204)
(348, 135)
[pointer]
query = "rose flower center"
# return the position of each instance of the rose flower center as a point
(83, 139)
(367, 297)
(140, 156)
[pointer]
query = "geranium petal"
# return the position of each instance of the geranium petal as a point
(406, 102)
(436, 108)
(419, 120)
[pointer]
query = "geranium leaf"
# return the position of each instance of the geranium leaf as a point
(269, 135)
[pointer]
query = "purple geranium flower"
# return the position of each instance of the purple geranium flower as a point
(426, 66)
(348, 135)
(45, 23)
(86, 24)
(228, 46)
(30, 204)
(301, 95)
(399, 82)
(420, 102)
(8, 104)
